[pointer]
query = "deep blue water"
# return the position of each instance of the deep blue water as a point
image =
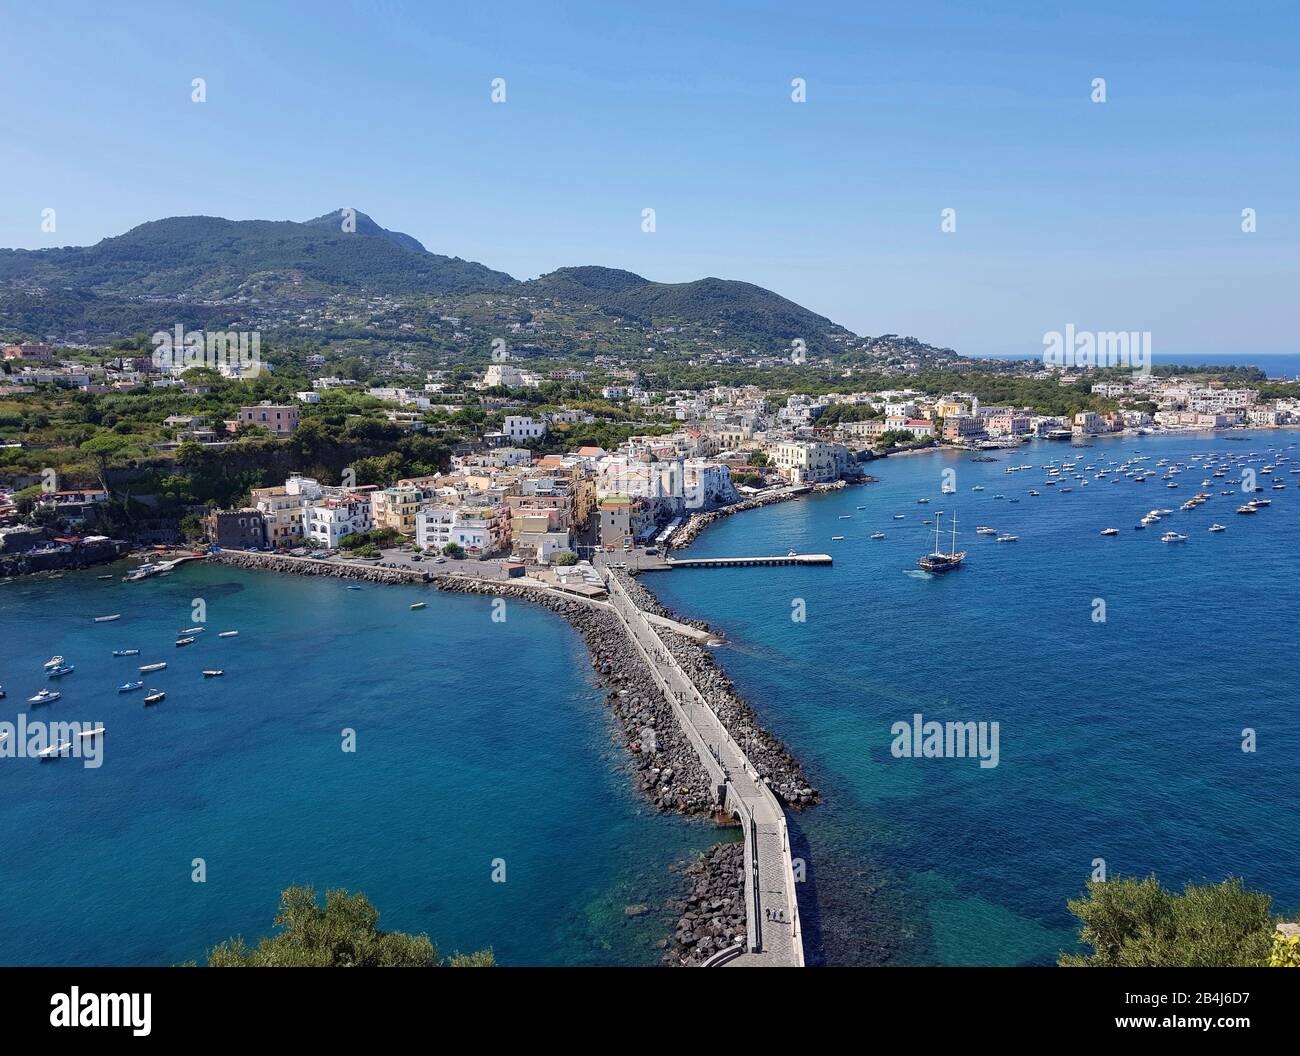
(475, 741)
(1119, 740)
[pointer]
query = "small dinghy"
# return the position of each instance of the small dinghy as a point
(155, 696)
(227, 634)
(130, 687)
(146, 668)
(126, 652)
(213, 674)
(108, 619)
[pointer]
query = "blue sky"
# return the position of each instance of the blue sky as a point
(1120, 215)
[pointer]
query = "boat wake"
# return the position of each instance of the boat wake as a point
(917, 573)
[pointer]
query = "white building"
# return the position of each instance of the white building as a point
(810, 461)
(436, 526)
(331, 520)
(521, 427)
(509, 377)
(707, 484)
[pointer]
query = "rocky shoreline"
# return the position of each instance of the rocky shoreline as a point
(305, 566)
(691, 530)
(711, 909)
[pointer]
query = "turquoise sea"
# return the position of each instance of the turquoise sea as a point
(1119, 740)
(478, 740)
(475, 741)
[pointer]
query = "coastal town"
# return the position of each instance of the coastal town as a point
(723, 488)
(519, 485)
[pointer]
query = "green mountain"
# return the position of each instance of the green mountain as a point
(208, 258)
(210, 271)
(738, 310)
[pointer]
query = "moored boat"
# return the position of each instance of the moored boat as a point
(146, 668)
(155, 696)
(130, 687)
(937, 560)
(45, 696)
(108, 619)
(227, 634)
(126, 652)
(216, 673)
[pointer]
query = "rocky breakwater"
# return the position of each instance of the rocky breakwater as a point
(665, 765)
(647, 601)
(306, 566)
(711, 909)
(772, 759)
(691, 530)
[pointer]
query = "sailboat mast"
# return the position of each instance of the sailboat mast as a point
(954, 531)
(937, 518)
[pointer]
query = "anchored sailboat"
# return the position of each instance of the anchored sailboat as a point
(938, 561)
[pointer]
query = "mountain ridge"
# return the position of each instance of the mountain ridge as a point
(213, 260)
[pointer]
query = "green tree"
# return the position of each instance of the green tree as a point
(453, 550)
(564, 557)
(25, 498)
(103, 450)
(1132, 923)
(342, 934)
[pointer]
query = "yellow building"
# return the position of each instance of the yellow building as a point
(395, 508)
